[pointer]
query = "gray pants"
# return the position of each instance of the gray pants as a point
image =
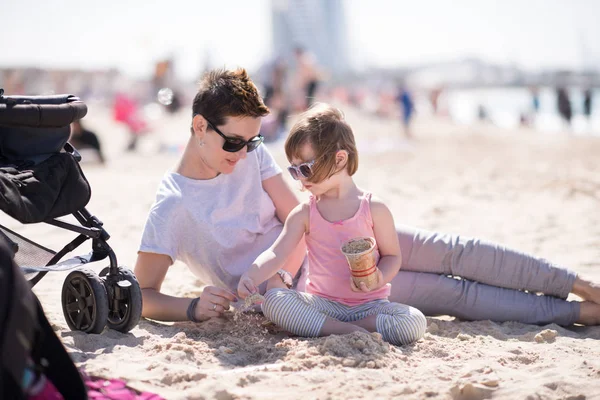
(475, 280)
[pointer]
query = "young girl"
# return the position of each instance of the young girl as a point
(323, 158)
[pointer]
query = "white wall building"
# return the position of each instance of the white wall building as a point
(319, 26)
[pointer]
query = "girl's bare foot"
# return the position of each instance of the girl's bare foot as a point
(587, 290)
(333, 326)
(589, 313)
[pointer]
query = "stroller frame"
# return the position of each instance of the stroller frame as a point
(89, 301)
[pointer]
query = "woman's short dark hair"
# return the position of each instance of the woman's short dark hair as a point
(226, 93)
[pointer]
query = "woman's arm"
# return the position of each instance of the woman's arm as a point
(282, 196)
(272, 259)
(150, 270)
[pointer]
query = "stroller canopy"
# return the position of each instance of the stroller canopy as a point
(37, 180)
(35, 127)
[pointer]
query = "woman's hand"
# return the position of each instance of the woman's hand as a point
(213, 302)
(364, 288)
(246, 287)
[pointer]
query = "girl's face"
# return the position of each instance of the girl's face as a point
(307, 154)
(211, 143)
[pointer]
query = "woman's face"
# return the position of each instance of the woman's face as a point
(211, 150)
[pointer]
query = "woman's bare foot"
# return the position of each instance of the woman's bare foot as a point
(587, 290)
(589, 313)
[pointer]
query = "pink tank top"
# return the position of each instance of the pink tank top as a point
(328, 272)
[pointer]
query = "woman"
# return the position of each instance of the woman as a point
(224, 203)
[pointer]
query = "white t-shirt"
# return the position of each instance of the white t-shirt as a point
(218, 226)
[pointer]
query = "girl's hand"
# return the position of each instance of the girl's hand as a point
(364, 288)
(246, 287)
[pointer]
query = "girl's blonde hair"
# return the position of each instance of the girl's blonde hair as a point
(326, 130)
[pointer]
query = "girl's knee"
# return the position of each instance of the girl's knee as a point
(419, 322)
(402, 329)
(275, 301)
(279, 293)
(289, 310)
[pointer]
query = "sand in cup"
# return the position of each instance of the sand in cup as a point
(362, 260)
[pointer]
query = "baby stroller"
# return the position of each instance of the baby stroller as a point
(41, 180)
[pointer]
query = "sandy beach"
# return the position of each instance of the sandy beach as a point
(539, 193)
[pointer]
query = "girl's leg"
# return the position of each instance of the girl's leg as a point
(304, 314)
(482, 262)
(436, 294)
(397, 323)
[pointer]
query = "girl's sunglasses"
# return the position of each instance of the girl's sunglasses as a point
(303, 170)
(233, 145)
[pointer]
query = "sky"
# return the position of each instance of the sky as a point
(132, 34)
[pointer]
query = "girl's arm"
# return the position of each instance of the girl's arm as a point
(271, 260)
(285, 200)
(387, 242)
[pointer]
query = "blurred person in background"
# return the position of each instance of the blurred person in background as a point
(273, 75)
(564, 105)
(82, 138)
(587, 103)
(307, 75)
(174, 104)
(164, 86)
(535, 99)
(482, 113)
(434, 99)
(127, 111)
(407, 108)
(525, 119)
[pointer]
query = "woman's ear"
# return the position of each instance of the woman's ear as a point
(199, 125)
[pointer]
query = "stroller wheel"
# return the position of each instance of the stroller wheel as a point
(84, 301)
(125, 299)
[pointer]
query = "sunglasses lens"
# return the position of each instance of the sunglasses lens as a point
(233, 146)
(293, 172)
(305, 170)
(254, 143)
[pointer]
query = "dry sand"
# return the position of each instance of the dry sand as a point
(538, 193)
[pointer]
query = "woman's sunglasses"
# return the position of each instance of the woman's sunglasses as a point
(303, 170)
(233, 145)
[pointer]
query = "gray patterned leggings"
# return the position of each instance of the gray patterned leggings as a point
(304, 314)
(475, 280)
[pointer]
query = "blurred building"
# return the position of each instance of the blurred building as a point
(317, 25)
(87, 84)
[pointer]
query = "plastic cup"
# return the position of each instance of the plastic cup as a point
(362, 259)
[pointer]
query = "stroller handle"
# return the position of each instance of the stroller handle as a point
(53, 111)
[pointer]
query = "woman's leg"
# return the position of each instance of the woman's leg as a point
(483, 262)
(587, 290)
(304, 314)
(436, 294)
